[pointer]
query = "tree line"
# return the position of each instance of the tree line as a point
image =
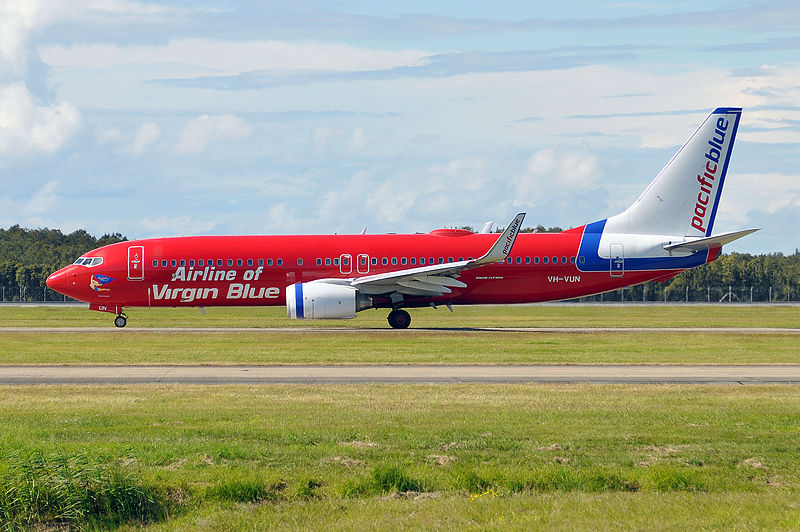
(28, 256)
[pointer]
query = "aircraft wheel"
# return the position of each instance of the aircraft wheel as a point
(120, 321)
(399, 319)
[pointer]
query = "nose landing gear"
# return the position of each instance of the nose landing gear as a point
(399, 319)
(121, 320)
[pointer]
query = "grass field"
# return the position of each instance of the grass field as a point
(448, 457)
(401, 347)
(411, 456)
(546, 315)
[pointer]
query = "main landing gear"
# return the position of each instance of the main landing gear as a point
(399, 319)
(121, 320)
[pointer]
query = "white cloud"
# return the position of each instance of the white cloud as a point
(210, 128)
(17, 20)
(27, 127)
(109, 136)
(233, 56)
(358, 141)
(553, 172)
(770, 193)
(43, 199)
(148, 133)
(178, 225)
(464, 173)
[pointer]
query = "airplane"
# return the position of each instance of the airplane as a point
(668, 229)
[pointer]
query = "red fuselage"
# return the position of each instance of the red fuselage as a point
(255, 270)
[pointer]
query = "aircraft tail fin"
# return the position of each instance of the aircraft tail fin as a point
(684, 196)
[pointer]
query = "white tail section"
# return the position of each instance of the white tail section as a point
(684, 196)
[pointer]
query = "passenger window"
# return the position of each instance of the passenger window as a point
(249, 262)
(536, 260)
(413, 261)
(200, 262)
(519, 260)
(328, 261)
(545, 260)
(563, 260)
(183, 262)
(581, 259)
(374, 261)
(260, 262)
(403, 261)
(441, 260)
(422, 260)
(164, 263)
(460, 259)
(510, 260)
(173, 263)
(384, 261)
(394, 261)
(527, 260)
(319, 262)
(269, 262)
(280, 262)
(555, 260)
(230, 262)
(363, 261)
(431, 261)
(155, 263)
(299, 262)
(239, 262)
(336, 262)
(191, 263)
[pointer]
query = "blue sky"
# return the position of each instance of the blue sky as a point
(238, 117)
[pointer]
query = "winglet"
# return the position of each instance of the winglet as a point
(502, 247)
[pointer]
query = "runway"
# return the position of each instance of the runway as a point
(211, 375)
(386, 330)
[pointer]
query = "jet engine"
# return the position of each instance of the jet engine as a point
(324, 300)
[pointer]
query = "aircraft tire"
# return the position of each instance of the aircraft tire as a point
(120, 321)
(399, 319)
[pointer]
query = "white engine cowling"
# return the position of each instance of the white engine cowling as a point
(320, 300)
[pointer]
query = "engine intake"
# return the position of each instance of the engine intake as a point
(321, 300)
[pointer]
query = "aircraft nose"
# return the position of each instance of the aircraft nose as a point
(58, 280)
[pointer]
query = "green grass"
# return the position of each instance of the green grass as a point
(430, 346)
(546, 315)
(397, 347)
(431, 456)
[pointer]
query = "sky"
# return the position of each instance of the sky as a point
(238, 117)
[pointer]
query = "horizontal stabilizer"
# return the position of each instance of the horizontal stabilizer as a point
(701, 244)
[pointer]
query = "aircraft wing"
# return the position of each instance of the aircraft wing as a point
(438, 279)
(703, 243)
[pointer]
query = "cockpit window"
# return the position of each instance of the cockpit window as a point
(89, 261)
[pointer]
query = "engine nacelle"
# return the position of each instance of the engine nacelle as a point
(321, 300)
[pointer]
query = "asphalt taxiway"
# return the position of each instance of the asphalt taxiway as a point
(347, 374)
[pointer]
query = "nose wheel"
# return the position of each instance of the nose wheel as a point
(121, 320)
(399, 319)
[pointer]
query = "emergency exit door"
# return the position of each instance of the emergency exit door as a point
(617, 259)
(136, 263)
